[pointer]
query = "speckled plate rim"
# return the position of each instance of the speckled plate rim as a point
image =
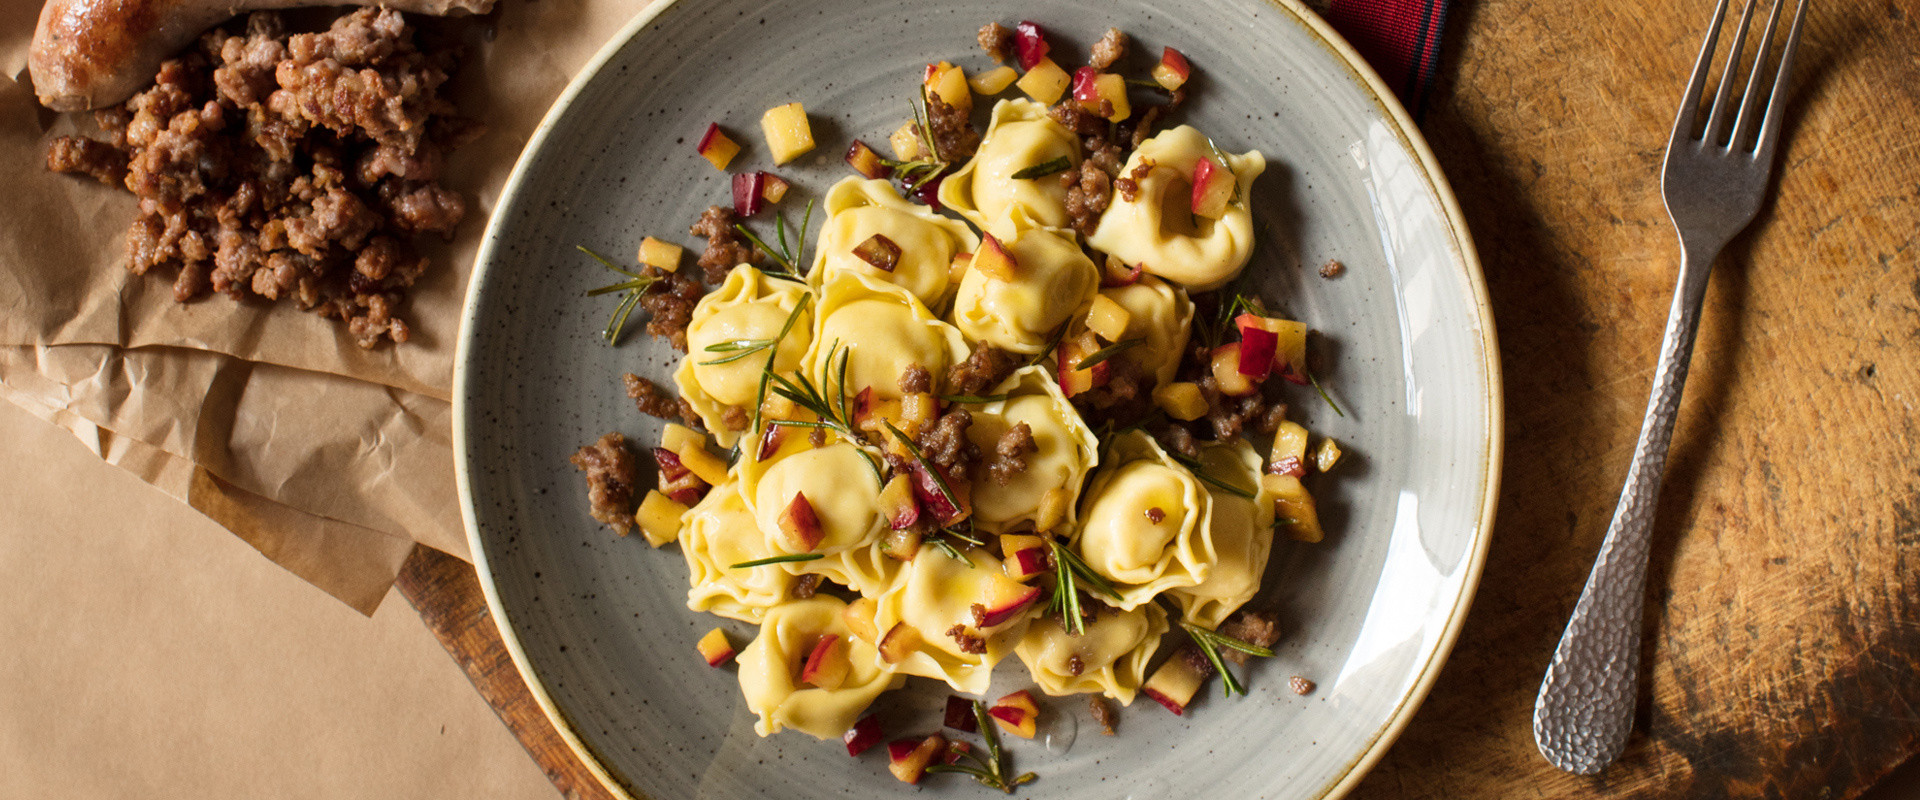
(1404, 129)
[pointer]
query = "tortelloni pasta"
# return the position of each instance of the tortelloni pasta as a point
(1053, 277)
(776, 687)
(882, 330)
(717, 533)
(1110, 657)
(748, 306)
(1145, 522)
(860, 209)
(837, 482)
(1065, 450)
(964, 613)
(1157, 231)
(1242, 536)
(1020, 136)
(1161, 316)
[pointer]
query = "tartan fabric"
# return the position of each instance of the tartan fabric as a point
(1400, 38)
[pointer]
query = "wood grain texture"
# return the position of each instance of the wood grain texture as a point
(1782, 639)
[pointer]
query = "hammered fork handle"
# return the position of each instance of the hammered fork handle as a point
(1585, 709)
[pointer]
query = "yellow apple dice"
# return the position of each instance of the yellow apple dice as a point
(899, 642)
(1108, 318)
(993, 81)
(1017, 714)
(1213, 186)
(1023, 556)
(1226, 371)
(1003, 600)
(1325, 455)
(902, 544)
(659, 518)
(800, 530)
(1053, 509)
(679, 438)
(704, 464)
(773, 188)
(949, 83)
(1045, 82)
(918, 410)
(827, 666)
(906, 142)
(859, 618)
(908, 759)
(714, 647)
(957, 268)
(1173, 70)
(896, 504)
(1101, 93)
(660, 255)
(1289, 455)
(787, 132)
(1293, 507)
(1182, 400)
(1175, 683)
(1073, 379)
(716, 148)
(993, 260)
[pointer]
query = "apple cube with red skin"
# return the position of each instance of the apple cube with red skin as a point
(863, 735)
(800, 526)
(859, 618)
(747, 187)
(770, 441)
(1017, 714)
(1173, 70)
(1024, 556)
(1084, 90)
(773, 188)
(826, 667)
(867, 162)
(901, 640)
(1226, 371)
(908, 759)
(927, 490)
(993, 260)
(676, 481)
(1075, 381)
(957, 750)
(879, 252)
(1117, 273)
(1257, 347)
(901, 545)
(1213, 186)
(715, 648)
(897, 504)
(716, 148)
(1175, 683)
(1290, 344)
(1094, 90)
(1293, 507)
(959, 715)
(1005, 601)
(1030, 42)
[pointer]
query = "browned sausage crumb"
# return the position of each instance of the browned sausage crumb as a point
(735, 418)
(969, 642)
(805, 585)
(654, 401)
(1128, 186)
(1332, 269)
(1009, 457)
(726, 248)
(612, 474)
(953, 133)
(1155, 515)
(1089, 193)
(669, 303)
(1178, 439)
(982, 370)
(916, 380)
(1112, 45)
(995, 38)
(945, 443)
(1300, 685)
(1075, 665)
(1102, 713)
(289, 166)
(1251, 627)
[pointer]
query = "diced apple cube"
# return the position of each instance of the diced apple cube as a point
(1053, 509)
(1023, 556)
(901, 640)
(908, 759)
(1289, 445)
(902, 544)
(993, 81)
(1293, 507)
(1290, 345)
(773, 188)
(859, 618)
(949, 83)
(746, 192)
(896, 504)
(863, 735)
(659, 518)
(704, 464)
(993, 260)
(906, 143)
(959, 715)
(1173, 70)
(1005, 600)
(1181, 400)
(918, 410)
(1226, 371)
(1175, 683)
(1102, 93)
(1116, 273)
(1045, 82)
(678, 438)
(827, 665)
(1326, 454)
(1108, 318)
(660, 255)
(716, 148)
(1030, 43)
(1017, 714)
(715, 648)
(1213, 186)
(957, 268)
(866, 162)
(800, 530)
(1074, 380)
(879, 252)
(788, 134)
(1256, 352)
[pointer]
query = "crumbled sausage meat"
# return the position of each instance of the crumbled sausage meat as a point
(945, 442)
(1009, 457)
(805, 585)
(916, 380)
(1102, 713)
(983, 370)
(654, 401)
(953, 133)
(969, 642)
(995, 38)
(1332, 269)
(726, 248)
(1252, 627)
(669, 302)
(612, 474)
(1112, 45)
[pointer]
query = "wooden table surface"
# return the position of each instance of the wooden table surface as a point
(1784, 621)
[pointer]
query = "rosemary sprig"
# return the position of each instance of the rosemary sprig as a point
(1194, 466)
(1068, 571)
(741, 348)
(991, 771)
(917, 173)
(951, 551)
(1044, 168)
(1311, 378)
(634, 289)
(803, 393)
(1109, 351)
(1210, 643)
(1053, 341)
(778, 560)
(787, 258)
(973, 399)
(874, 465)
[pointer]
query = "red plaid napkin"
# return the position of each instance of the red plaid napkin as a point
(1400, 38)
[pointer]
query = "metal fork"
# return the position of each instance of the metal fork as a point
(1713, 184)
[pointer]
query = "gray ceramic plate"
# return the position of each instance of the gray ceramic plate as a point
(598, 624)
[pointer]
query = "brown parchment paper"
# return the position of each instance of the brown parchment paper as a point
(331, 460)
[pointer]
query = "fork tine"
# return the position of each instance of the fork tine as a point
(1718, 121)
(1743, 127)
(1690, 104)
(1770, 125)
